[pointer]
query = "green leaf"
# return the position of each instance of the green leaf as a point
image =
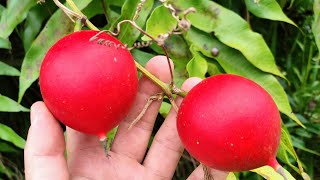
(57, 26)
(5, 43)
(232, 30)
(8, 70)
(283, 156)
(9, 105)
(267, 9)
(234, 62)
(7, 134)
(35, 18)
(164, 109)
(213, 69)
(128, 33)
(269, 173)
(141, 57)
(110, 137)
(197, 66)
(160, 22)
(2, 8)
(316, 23)
(287, 145)
(177, 48)
(5, 147)
(13, 15)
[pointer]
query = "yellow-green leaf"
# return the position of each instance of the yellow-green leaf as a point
(267, 9)
(270, 174)
(9, 105)
(160, 22)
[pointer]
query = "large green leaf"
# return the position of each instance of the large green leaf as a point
(9, 105)
(160, 22)
(234, 63)
(35, 18)
(15, 13)
(7, 134)
(8, 70)
(128, 34)
(268, 9)
(57, 26)
(232, 30)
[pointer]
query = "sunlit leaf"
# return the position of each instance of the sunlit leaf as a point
(57, 26)
(197, 66)
(234, 63)
(160, 22)
(7, 134)
(232, 30)
(8, 70)
(9, 105)
(269, 173)
(268, 9)
(231, 176)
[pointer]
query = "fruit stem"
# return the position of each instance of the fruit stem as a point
(277, 167)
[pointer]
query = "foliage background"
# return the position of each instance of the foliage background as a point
(274, 43)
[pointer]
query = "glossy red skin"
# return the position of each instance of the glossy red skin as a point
(230, 123)
(87, 86)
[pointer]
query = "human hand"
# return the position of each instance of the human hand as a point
(45, 148)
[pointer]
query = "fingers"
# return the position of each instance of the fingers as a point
(133, 143)
(198, 173)
(166, 146)
(44, 151)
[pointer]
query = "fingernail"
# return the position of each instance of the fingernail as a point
(34, 115)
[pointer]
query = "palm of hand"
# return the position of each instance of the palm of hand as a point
(45, 148)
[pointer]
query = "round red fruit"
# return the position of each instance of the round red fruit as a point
(230, 123)
(88, 86)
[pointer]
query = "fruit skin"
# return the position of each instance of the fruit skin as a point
(87, 86)
(230, 123)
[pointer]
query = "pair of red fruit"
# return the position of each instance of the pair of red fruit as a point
(226, 122)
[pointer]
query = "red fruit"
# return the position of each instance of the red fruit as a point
(87, 86)
(230, 123)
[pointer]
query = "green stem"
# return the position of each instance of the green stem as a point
(165, 87)
(78, 25)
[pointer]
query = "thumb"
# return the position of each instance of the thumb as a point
(44, 151)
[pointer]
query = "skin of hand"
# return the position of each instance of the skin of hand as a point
(46, 145)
